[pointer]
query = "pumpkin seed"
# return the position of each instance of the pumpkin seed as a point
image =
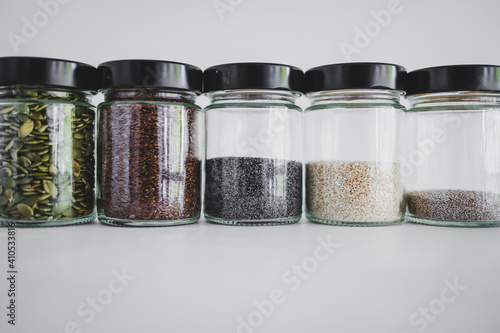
(25, 210)
(6, 110)
(31, 200)
(24, 161)
(50, 188)
(7, 182)
(53, 170)
(70, 212)
(5, 172)
(22, 108)
(79, 136)
(25, 180)
(22, 117)
(18, 197)
(60, 207)
(10, 144)
(9, 194)
(44, 208)
(44, 196)
(76, 168)
(36, 116)
(33, 184)
(26, 128)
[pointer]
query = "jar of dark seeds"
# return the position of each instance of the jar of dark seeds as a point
(149, 138)
(452, 162)
(353, 176)
(46, 142)
(253, 144)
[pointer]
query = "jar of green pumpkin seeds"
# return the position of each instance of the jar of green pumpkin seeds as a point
(46, 142)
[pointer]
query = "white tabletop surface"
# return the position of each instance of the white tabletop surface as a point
(212, 278)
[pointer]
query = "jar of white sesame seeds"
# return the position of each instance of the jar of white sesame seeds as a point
(353, 175)
(452, 161)
(253, 168)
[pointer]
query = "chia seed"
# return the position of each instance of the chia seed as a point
(454, 205)
(242, 190)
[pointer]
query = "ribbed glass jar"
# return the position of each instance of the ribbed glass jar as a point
(149, 156)
(46, 148)
(253, 145)
(352, 145)
(452, 161)
(353, 176)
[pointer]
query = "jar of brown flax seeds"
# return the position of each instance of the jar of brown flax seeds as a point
(353, 175)
(452, 161)
(149, 139)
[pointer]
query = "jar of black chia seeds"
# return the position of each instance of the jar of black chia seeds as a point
(149, 138)
(352, 144)
(253, 144)
(452, 162)
(46, 142)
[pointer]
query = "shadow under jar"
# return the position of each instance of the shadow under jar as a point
(149, 163)
(253, 144)
(353, 175)
(46, 142)
(453, 152)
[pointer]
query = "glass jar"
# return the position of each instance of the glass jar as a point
(46, 142)
(353, 175)
(149, 139)
(253, 144)
(452, 162)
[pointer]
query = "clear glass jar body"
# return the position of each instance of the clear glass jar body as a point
(353, 176)
(149, 161)
(452, 159)
(253, 158)
(47, 156)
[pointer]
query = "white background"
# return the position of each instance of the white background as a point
(203, 277)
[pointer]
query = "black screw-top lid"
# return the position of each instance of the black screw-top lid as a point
(454, 78)
(253, 76)
(47, 72)
(357, 75)
(150, 74)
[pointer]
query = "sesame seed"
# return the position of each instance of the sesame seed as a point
(339, 191)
